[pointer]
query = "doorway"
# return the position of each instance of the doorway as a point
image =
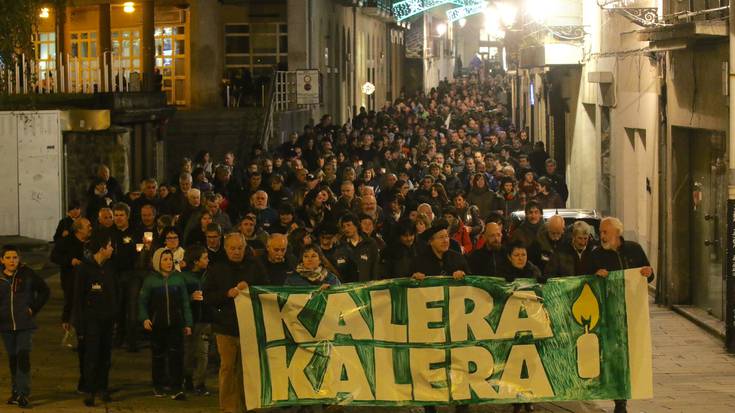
(699, 184)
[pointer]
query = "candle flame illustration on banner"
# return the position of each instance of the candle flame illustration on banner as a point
(586, 311)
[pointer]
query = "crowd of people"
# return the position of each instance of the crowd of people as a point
(426, 186)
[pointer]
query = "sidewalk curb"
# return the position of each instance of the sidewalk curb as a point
(703, 320)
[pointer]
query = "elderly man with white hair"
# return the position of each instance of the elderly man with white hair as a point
(266, 216)
(573, 256)
(616, 253)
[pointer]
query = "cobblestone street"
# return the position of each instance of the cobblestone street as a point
(692, 373)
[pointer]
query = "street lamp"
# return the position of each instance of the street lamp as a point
(441, 28)
(508, 13)
(129, 7)
(368, 88)
(536, 10)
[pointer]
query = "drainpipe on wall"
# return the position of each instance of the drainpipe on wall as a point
(730, 265)
(309, 53)
(353, 88)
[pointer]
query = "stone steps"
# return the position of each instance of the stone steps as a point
(217, 131)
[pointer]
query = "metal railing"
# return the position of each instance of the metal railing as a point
(266, 130)
(281, 90)
(24, 76)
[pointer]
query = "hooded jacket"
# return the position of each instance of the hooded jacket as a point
(22, 291)
(164, 299)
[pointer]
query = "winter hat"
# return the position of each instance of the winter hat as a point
(156, 260)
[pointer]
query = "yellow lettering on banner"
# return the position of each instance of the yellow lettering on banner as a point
(275, 317)
(383, 327)
(463, 380)
(460, 322)
(283, 373)
(419, 315)
(510, 323)
(422, 375)
(386, 387)
(535, 385)
(356, 383)
(342, 316)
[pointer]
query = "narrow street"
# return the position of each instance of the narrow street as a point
(692, 373)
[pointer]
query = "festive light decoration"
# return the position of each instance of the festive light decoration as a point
(407, 8)
(463, 12)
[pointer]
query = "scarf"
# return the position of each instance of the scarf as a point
(317, 275)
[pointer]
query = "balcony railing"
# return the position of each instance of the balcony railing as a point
(79, 75)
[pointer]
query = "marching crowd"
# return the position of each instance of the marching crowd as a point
(426, 186)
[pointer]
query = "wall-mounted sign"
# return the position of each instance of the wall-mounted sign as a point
(307, 87)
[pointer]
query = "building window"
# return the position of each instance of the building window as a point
(256, 47)
(126, 52)
(171, 61)
(44, 45)
(84, 64)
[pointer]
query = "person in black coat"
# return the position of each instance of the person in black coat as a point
(95, 309)
(113, 187)
(226, 280)
(338, 256)
(401, 251)
(125, 244)
(22, 295)
(614, 254)
(362, 249)
(518, 265)
(491, 258)
(527, 233)
(555, 180)
(438, 260)
(538, 158)
(573, 257)
(68, 254)
(99, 198)
(63, 229)
(277, 261)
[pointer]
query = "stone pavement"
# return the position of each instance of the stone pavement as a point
(692, 374)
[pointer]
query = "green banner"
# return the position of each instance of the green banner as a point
(443, 341)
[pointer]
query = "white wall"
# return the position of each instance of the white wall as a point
(634, 128)
(36, 173)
